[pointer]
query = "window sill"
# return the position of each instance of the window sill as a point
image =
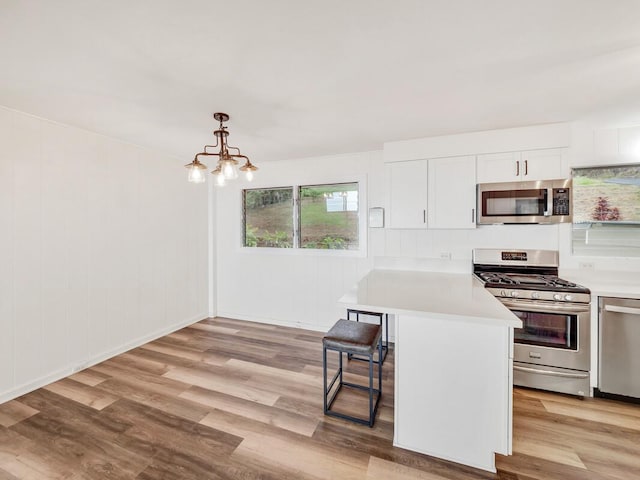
(306, 252)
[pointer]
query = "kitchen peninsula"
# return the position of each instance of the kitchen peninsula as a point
(453, 364)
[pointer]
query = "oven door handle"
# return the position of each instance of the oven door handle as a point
(524, 306)
(551, 373)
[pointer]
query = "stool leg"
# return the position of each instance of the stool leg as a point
(386, 329)
(371, 418)
(349, 312)
(380, 367)
(324, 377)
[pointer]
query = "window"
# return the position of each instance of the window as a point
(268, 217)
(606, 211)
(326, 217)
(329, 216)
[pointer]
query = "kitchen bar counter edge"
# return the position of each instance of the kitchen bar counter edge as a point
(454, 296)
(453, 363)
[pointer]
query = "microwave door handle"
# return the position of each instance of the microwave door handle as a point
(548, 201)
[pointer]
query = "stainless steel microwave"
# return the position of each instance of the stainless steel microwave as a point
(543, 201)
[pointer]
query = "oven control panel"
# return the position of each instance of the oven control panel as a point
(541, 295)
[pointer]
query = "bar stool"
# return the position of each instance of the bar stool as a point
(385, 345)
(353, 338)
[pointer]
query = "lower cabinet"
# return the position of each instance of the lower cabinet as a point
(453, 382)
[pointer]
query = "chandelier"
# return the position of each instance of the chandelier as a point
(227, 166)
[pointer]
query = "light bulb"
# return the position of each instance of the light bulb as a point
(220, 180)
(229, 170)
(249, 175)
(196, 175)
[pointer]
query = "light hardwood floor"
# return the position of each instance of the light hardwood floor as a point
(239, 400)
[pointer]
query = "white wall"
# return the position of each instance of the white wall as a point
(103, 246)
(288, 286)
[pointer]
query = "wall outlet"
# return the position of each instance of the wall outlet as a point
(445, 255)
(586, 265)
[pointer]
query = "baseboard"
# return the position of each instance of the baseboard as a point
(71, 369)
(273, 321)
(281, 323)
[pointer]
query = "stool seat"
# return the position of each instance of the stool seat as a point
(385, 343)
(353, 337)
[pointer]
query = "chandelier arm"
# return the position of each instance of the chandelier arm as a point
(234, 148)
(206, 154)
(212, 146)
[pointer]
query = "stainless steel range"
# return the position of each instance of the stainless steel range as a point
(551, 350)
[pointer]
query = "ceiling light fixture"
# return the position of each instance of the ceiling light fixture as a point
(227, 166)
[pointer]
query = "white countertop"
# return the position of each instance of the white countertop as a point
(605, 283)
(455, 296)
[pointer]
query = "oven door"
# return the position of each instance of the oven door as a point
(554, 335)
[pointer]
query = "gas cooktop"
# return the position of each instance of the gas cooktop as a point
(529, 281)
(530, 275)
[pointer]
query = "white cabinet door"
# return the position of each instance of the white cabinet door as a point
(408, 194)
(452, 192)
(547, 164)
(499, 167)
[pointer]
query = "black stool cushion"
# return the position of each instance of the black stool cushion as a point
(355, 337)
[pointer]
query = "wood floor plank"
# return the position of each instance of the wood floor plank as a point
(600, 416)
(81, 393)
(220, 383)
(89, 377)
(291, 421)
(307, 460)
(13, 412)
(379, 468)
(174, 405)
(168, 440)
(214, 328)
(547, 449)
(174, 353)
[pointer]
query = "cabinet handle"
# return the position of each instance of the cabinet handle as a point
(517, 168)
(424, 216)
(621, 309)
(473, 215)
(526, 167)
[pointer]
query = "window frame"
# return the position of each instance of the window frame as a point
(296, 249)
(243, 237)
(598, 226)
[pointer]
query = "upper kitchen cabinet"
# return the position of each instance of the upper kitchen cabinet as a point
(434, 193)
(546, 164)
(452, 192)
(408, 194)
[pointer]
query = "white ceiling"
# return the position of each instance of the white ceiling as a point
(303, 77)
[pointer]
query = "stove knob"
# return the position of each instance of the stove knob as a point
(535, 295)
(502, 293)
(514, 293)
(568, 298)
(557, 296)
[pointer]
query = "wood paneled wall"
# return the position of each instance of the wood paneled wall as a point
(103, 245)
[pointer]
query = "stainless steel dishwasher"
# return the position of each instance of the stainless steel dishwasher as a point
(619, 348)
